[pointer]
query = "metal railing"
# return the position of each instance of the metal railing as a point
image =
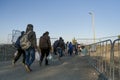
(116, 60)
(104, 56)
(99, 56)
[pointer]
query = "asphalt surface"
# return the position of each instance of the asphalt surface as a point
(69, 68)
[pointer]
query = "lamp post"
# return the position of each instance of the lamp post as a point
(93, 25)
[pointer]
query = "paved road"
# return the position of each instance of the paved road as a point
(69, 68)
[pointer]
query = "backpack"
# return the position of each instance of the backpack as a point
(56, 43)
(24, 42)
(17, 43)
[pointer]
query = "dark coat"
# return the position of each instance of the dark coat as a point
(44, 42)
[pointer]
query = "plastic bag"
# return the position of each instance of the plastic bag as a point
(49, 57)
(15, 54)
(37, 56)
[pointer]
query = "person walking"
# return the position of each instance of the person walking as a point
(60, 48)
(70, 48)
(19, 51)
(84, 51)
(30, 52)
(55, 45)
(45, 47)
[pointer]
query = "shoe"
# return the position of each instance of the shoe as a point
(28, 68)
(23, 63)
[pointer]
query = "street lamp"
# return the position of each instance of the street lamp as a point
(93, 24)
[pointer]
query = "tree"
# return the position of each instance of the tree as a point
(118, 36)
(74, 41)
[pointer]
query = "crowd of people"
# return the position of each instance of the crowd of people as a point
(26, 45)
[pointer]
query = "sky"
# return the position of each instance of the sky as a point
(62, 18)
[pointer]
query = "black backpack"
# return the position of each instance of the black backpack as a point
(17, 43)
(56, 43)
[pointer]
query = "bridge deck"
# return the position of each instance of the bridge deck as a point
(69, 68)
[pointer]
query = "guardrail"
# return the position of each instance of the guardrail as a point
(116, 60)
(104, 56)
